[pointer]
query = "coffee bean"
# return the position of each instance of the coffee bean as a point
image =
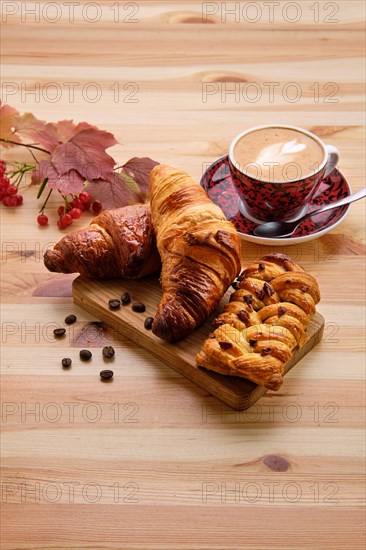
(70, 319)
(125, 298)
(252, 343)
(66, 362)
(148, 323)
(108, 352)
(85, 355)
(58, 332)
(138, 307)
(236, 285)
(114, 304)
(106, 374)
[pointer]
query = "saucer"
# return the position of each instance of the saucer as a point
(218, 184)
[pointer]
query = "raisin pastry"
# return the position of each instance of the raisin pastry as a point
(264, 321)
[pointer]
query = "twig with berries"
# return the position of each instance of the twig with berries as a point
(74, 164)
(10, 180)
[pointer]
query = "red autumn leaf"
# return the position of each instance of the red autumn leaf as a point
(35, 131)
(139, 169)
(114, 191)
(7, 118)
(130, 186)
(81, 158)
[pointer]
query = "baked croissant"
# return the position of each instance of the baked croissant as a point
(263, 323)
(199, 250)
(117, 243)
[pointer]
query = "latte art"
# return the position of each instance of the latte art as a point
(278, 154)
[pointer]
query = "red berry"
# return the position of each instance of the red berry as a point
(84, 197)
(60, 210)
(12, 201)
(4, 181)
(3, 193)
(19, 199)
(60, 225)
(96, 207)
(75, 213)
(76, 203)
(5, 200)
(12, 190)
(66, 219)
(42, 219)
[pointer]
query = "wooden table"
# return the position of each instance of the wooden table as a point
(151, 460)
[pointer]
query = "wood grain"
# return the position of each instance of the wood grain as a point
(286, 474)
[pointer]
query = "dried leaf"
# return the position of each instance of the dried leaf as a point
(130, 186)
(7, 119)
(67, 182)
(139, 169)
(35, 131)
(81, 158)
(114, 191)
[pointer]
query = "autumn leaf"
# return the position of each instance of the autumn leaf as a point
(130, 186)
(77, 156)
(81, 158)
(112, 192)
(7, 119)
(139, 169)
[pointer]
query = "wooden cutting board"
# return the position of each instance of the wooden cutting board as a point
(236, 392)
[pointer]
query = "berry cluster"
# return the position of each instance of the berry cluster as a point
(8, 193)
(72, 210)
(75, 205)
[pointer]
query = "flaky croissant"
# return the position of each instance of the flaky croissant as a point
(117, 243)
(199, 250)
(264, 321)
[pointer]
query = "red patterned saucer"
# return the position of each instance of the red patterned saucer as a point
(219, 186)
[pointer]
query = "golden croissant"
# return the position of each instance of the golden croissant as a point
(117, 243)
(199, 250)
(264, 321)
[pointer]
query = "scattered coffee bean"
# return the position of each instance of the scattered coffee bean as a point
(236, 285)
(138, 307)
(114, 304)
(252, 343)
(261, 267)
(58, 332)
(281, 311)
(70, 319)
(148, 323)
(106, 374)
(66, 362)
(108, 352)
(125, 298)
(85, 355)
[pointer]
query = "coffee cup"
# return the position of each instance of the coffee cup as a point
(277, 169)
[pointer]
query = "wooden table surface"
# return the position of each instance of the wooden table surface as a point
(151, 460)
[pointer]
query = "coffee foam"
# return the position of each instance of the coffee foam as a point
(278, 154)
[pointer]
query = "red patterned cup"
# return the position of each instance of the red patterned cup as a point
(263, 195)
